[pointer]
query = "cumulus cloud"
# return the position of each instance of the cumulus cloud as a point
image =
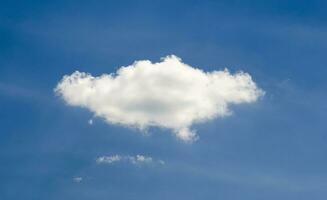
(167, 94)
(136, 160)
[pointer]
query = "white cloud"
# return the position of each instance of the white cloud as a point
(140, 159)
(136, 160)
(168, 94)
(108, 159)
(77, 179)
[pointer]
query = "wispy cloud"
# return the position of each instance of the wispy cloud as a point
(18, 91)
(77, 179)
(255, 177)
(135, 160)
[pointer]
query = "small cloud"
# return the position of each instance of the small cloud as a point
(168, 94)
(108, 159)
(90, 121)
(140, 159)
(135, 160)
(77, 179)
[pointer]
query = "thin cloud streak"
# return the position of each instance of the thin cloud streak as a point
(135, 160)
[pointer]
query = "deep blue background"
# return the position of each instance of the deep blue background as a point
(273, 149)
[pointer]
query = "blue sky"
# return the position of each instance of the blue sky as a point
(272, 149)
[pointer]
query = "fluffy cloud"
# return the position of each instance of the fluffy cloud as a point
(137, 160)
(168, 94)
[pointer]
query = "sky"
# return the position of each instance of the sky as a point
(267, 140)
